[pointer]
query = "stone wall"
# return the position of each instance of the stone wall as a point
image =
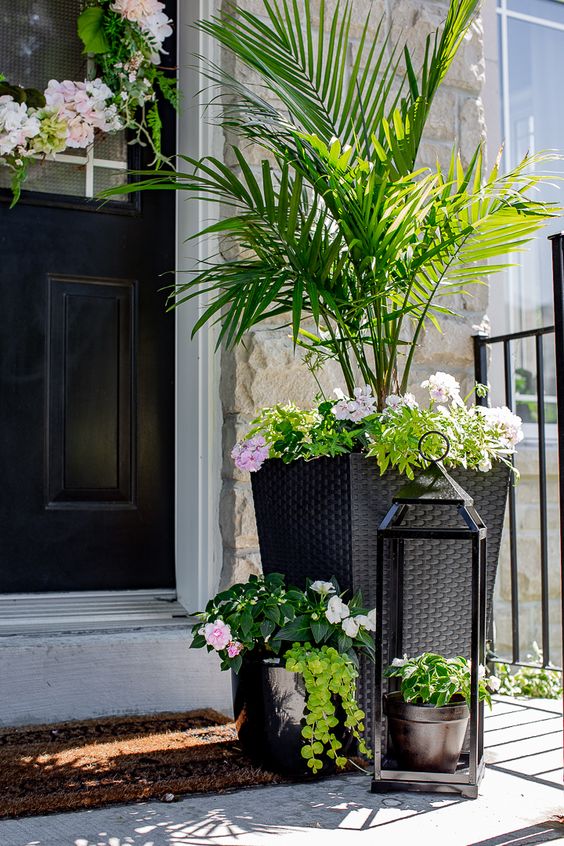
(265, 369)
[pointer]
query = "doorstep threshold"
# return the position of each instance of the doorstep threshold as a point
(89, 611)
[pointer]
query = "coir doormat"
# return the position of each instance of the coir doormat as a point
(87, 764)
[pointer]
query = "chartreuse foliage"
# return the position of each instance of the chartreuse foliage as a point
(329, 678)
(341, 230)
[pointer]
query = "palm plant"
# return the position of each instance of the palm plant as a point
(338, 230)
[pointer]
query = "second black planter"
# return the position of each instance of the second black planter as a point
(269, 707)
(268, 704)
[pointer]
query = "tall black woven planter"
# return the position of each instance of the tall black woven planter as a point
(319, 518)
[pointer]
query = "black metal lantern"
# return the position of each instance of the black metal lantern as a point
(455, 519)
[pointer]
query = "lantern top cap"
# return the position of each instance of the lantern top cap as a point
(433, 484)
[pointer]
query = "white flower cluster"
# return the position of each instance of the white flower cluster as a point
(354, 408)
(17, 125)
(443, 388)
(339, 612)
(507, 426)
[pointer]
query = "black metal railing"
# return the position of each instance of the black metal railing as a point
(484, 346)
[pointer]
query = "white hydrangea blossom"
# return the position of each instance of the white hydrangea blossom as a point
(17, 124)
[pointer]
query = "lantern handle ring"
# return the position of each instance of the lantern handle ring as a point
(443, 455)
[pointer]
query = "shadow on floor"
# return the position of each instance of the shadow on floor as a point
(530, 836)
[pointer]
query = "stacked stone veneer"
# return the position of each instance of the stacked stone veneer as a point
(265, 368)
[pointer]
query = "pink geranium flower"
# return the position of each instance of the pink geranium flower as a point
(251, 454)
(234, 648)
(217, 634)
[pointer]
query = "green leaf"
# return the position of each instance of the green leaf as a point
(91, 30)
(272, 612)
(35, 99)
(266, 628)
(236, 663)
(319, 629)
(246, 623)
(296, 630)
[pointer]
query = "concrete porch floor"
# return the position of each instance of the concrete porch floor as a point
(519, 799)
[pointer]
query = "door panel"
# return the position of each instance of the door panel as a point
(86, 371)
(91, 440)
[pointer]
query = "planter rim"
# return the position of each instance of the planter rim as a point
(396, 708)
(356, 455)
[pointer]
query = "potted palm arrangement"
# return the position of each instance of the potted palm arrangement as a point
(428, 715)
(294, 657)
(358, 251)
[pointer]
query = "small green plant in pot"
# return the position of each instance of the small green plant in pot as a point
(428, 715)
(294, 656)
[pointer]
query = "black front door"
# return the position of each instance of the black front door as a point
(86, 352)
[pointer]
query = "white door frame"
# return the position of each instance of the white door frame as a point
(198, 407)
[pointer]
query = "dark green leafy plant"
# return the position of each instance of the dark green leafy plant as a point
(341, 229)
(264, 616)
(313, 631)
(432, 679)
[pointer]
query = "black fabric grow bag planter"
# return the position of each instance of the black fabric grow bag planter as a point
(319, 518)
(268, 706)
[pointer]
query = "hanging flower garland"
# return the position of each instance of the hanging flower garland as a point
(125, 38)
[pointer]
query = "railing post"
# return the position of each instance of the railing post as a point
(558, 289)
(481, 365)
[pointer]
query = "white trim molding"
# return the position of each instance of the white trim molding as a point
(198, 408)
(78, 611)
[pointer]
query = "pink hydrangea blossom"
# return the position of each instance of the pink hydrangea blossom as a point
(354, 408)
(85, 107)
(251, 454)
(234, 648)
(149, 15)
(217, 634)
(136, 10)
(443, 388)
